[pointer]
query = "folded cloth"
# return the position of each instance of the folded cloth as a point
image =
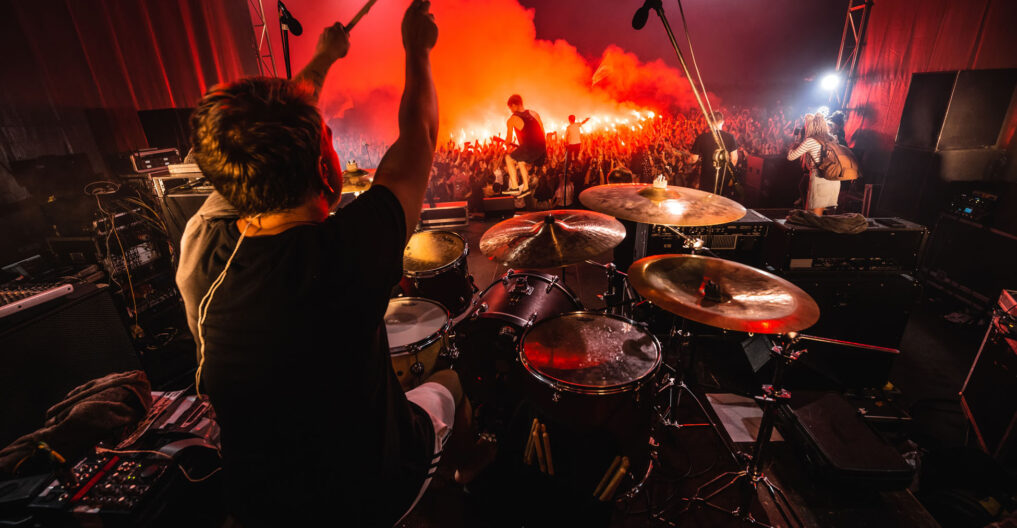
(849, 223)
(102, 409)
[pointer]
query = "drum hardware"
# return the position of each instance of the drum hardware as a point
(618, 294)
(752, 476)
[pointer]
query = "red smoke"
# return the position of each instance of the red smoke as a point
(486, 51)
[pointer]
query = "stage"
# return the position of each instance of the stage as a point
(932, 366)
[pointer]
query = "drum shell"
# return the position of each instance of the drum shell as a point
(488, 337)
(450, 284)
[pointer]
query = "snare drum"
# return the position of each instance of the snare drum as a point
(434, 267)
(417, 334)
(592, 382)
(488, 337)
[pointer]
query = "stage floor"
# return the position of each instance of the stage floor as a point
(932, 365)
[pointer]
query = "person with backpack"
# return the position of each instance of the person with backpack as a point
(822, 193)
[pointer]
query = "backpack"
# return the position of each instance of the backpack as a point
(837, 162)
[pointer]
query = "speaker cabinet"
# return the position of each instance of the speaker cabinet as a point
(45, 356)
(956, 110)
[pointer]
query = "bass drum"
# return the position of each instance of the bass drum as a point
(592, 384)
(434, 267)
(489, 336)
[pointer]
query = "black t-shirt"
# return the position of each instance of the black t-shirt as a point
(314, 422)
(704, 147)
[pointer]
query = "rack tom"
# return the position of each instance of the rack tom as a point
(435, 267)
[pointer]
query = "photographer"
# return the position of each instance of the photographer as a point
(821, 193)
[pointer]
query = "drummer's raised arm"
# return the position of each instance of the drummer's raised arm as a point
(333, 44)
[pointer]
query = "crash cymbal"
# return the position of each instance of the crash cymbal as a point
(723, 294)
(665, 205)
(550, 239)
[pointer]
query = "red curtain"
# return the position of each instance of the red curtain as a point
(76, 72)
(913, 36)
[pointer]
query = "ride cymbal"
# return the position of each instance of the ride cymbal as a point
(664, 205)
(550, 239)
(723, 294)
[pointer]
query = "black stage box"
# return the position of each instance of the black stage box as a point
(868, 313)
(47, 355)
(838, 445)
(888, 245)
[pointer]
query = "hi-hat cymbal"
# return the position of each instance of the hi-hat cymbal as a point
(723, 294)
(356, 183)
(676, 206)
(550, 239)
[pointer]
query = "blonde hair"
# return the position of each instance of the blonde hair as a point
(817, 128)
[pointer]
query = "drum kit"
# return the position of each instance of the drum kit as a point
(591, 381)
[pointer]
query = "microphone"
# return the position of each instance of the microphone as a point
(639, 19)
(289, 22)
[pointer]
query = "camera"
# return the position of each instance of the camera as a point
(799, 132)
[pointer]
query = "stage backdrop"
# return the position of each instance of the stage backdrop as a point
(912, 36)
(75, 72)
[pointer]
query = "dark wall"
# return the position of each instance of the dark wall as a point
(75, 73)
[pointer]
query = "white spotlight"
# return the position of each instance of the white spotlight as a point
(830, 82)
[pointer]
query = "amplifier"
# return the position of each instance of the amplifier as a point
(888, 245)
(444, 214)
(989, 395)
(179, 207)
(741, 240)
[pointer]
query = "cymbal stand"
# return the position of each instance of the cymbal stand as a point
(751, 478)
(618, 296)
(695, 244)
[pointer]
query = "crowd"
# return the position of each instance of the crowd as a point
(633, 153)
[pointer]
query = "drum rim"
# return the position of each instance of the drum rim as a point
(431, 339)
(444, 267)
(560, 385)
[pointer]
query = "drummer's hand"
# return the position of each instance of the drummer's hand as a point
(419, 29)
(333, 43)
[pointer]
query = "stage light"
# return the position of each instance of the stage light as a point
(830, 82)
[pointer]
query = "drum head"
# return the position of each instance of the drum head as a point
(428, 251)
(590, 352)
(410, 320)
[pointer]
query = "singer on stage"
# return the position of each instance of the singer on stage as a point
(528, 130)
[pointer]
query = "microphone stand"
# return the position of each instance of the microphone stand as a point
(284, 31)
(722, 168)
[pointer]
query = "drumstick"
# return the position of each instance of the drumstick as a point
(607, 476)
(360, 14)
(547, 449)
(528, 454)
(539, 448)
(615, 481)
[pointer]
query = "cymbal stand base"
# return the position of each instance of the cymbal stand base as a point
(677, 386)
(751, 478)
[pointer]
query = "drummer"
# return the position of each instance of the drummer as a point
(286, 302)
